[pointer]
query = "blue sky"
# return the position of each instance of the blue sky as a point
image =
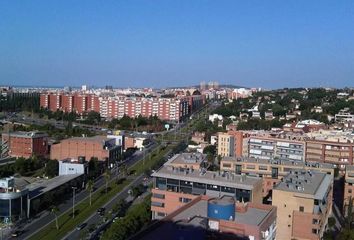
(153, 43)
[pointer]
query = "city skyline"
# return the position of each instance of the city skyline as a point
(137, 43)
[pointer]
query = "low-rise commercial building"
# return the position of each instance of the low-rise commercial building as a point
(215, 218)
(13, 199)
(73, 166)
(100, 147)
(271, 171)
(176, 185)
(24, 197)
(25, 144)
(304, 203)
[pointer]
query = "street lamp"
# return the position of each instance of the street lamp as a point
(74, 188)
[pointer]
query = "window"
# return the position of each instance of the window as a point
(161, 183)
(160, 196)
(172, 188)
(213, 187)
(184, 200)
(226, 165)
(314, 231)
(238, 169)
(172, 182)
(199, 185)
(250, 166)
(186, 183)
(315, 221)
(228, 189)
(274, 172)
(161, 214)
(349, 191)
(265, 168)
(157, 204)
(301, 209)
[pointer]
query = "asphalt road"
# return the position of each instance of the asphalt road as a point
(95, 218)
(46, 217)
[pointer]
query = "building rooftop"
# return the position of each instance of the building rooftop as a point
(279, 162)
(337, 136)
(39, 186)
(187, 158)
(42, 186)
(32, 134)
(252, 216)
(93, 139)
(308, 182)
(104, 140)
(191, 221)
(208, 177)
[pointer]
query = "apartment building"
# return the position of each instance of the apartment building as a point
(271, 171)
(70, 102)
(329, 151)
(285, 148)
(171, 109)
(215, 218)
(183, 178)
(25, 144)
(344, 115)
(348, 187)
(230, 144)
(304, 202)
(100, 147)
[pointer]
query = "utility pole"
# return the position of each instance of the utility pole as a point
(74, 188)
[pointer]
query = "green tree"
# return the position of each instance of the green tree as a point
(331, 222)
(51, 168)
(210, 149)
(346, 234)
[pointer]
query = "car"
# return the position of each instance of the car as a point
(81, 226)
(101, 211)
(16, 233)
